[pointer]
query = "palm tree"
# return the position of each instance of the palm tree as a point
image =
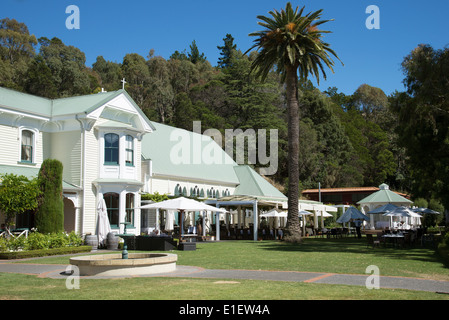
(293, 44)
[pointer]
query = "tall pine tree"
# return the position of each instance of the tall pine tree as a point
(226, 51)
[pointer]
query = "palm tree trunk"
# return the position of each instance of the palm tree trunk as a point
(293, 232)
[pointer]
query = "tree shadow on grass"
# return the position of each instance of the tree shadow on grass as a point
(356, 246)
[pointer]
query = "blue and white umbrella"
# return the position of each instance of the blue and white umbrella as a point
(352, 213)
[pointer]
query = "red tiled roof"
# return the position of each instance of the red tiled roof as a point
(353, 189)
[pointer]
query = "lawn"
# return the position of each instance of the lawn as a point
(347, 255)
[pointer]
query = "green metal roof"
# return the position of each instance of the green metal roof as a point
(31, 173)
(253, 184)
(162, 146)
(23, 102)
(384, 195)
(43, 107)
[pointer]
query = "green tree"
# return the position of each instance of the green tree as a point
(110, 73)
(67, 66)
(16, 52)
(369, 100)
(50, 215)
(226, 51)
(194, 55)
(423, 121)
(39, 80)
(17, 195)
(293, 43)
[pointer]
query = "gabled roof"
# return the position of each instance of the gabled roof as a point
(384, 195)
(179, 153)
(253, 184)
(54, 108)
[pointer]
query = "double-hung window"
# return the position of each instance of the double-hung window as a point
(26, 154)
(111, 148)
(130, 208)
(129, 150)
(112, 203)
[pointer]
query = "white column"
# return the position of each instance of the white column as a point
(239, 215)
(204, 223)
(217, 225)
(255, 220)
(122, 210)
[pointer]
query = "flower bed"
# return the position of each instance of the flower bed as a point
(38, 245)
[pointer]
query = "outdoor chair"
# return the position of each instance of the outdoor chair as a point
(371, 241)
(380, 238)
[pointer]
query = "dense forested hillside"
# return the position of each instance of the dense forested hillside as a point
(363, 139)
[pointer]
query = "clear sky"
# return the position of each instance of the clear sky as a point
(114, 28)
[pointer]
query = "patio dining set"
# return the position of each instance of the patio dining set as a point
(401, 238)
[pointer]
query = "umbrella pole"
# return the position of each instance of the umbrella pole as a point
(181, 223)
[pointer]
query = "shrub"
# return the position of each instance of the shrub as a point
(16, 243)
(57, 240)
(40, 241)
(50, 215)
(74, 240)
(3, 245)
(37, 241)
(446, 239)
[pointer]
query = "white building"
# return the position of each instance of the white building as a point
(111, 150)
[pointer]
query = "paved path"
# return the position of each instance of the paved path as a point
(58, 272)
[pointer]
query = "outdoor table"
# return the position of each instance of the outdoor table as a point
(189, 237)
(393, 238)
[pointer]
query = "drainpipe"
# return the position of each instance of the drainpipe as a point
(82, 173)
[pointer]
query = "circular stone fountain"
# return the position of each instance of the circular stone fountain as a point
(136, 264)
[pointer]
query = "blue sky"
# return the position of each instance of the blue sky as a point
(114, 28)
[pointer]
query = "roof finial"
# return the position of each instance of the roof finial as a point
(123, 83)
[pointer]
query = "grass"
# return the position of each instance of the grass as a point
(27, 287)
(346, 255)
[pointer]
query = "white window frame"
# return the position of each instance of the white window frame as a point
(35, 133)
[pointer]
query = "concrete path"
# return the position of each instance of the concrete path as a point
(58, 272)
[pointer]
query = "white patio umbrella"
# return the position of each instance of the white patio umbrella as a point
(182, 205)
(274, 213)
(425, 210)
(169, 218)
(352, 213)
(383, 209)
(103, 227)
(400, 212)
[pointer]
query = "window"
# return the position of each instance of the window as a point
(195, 192)
(112, 203)
(26, 154)
(130, 208)
(129, 151)
(111, 145)
(178, 190)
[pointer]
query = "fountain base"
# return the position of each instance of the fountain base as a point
(137, 264)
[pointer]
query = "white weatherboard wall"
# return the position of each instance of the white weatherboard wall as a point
(91, 166)
(66, 147)
(10, 145)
